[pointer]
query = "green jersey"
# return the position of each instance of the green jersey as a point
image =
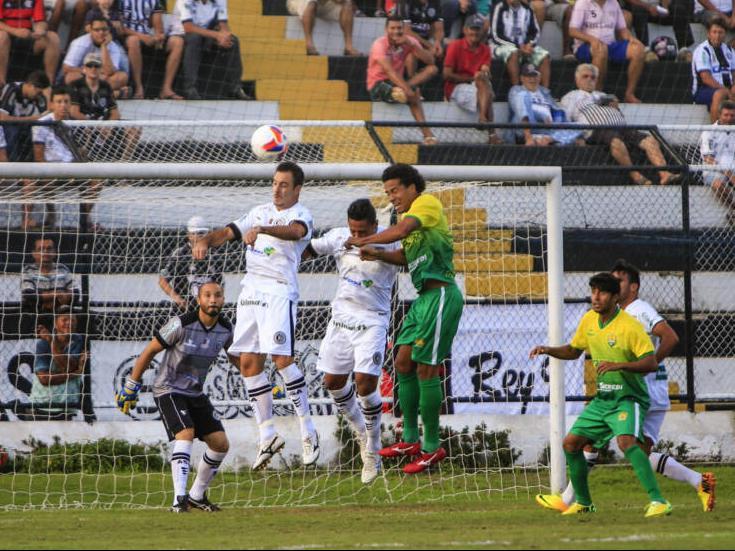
(429, 249)
(621, 339)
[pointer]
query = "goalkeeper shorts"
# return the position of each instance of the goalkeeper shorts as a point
(179, 412)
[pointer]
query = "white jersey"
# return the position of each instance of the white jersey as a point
(54, 150)
(658, 381)
(272, 264)
(364, 290)
(720, 145)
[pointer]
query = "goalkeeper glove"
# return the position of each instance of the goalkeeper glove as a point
(127, 398)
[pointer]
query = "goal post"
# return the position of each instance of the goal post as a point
(495, 206)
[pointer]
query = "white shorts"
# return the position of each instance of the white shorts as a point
(348, 348)
(465, 96)
(652, 424)
(326, 9)
(265, 324)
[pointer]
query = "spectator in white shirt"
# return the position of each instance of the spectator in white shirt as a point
(718, 148)
(98, 40)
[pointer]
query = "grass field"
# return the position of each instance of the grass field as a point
(424, 519)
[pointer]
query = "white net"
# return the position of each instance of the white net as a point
(115, 260)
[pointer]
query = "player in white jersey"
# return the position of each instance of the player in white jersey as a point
(664, 340)
(276, 235)
(356, 335)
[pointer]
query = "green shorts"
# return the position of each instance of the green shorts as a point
(603, 419)
(431, 323)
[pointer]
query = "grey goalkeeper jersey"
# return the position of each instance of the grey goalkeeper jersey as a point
(191, 349)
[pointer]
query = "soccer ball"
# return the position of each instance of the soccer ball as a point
(268, 142)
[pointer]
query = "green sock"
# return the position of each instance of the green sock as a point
(408, 396)
(644, 472)
(430, 405)
(578, 474)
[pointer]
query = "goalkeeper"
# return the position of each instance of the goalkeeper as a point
(429, 328)
(192, 343)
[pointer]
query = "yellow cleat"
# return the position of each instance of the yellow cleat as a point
(577, 508)
(552, 501)
(706, 491)
(657, 509)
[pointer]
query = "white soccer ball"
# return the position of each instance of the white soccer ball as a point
(268, 142)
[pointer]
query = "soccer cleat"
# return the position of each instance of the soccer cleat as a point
(401, 449)
(552, 501)
(311, 450)
(425, 461)
(181, 505)
(577, 508)
(706, 491)
(267, 451)
(371, 467)
(204, 504)
(657, 509)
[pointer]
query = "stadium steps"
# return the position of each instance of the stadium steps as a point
(305, 91)
(507, 287)
(495, 263)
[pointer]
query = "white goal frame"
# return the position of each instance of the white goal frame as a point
(552, 176)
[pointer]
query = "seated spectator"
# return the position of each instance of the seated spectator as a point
(143, 28)
(601, 35)
(467, 74)
(454, 14)
(515, 32)
(664, 12)
(46, 285)
(23, 25)
(334, 10)
(205, 25)
(182, 276)
(98, 40)
(585, 105)
(22, 101)
(110, 10)
(50, 145)
(59, 364)
(713, 69)
(422, 20)
(387, 66)
(718, 148)
(704, 10)
(531, 103)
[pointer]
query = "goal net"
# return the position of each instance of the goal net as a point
(118, 223)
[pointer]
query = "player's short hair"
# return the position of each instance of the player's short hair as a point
(622, 265)
(296, 172)
(727, 104)
(59, 91)
(362, 209)
(38, 79)
(716, 20)
(208, 282)
(393, 16)
(605, 282)
(406, 174)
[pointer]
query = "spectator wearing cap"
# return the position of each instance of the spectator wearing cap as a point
(91, 97)
(467, 73)
(515, 33)
(601, 35)
(713, 69)
(588, 106)
(531, 103)
(182, 275)
(23, 25)
(387, 67)
(59, 364)
(98, 40)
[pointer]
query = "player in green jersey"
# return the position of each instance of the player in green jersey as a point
(428, 330)
(623, 354)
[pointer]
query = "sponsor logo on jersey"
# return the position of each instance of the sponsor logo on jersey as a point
(367, 283)
(279, 337)
(415, 263)
(269, 251)
(612, 341)
(419, 342)
(607, 387)
(377, 358)
(622, 416)
(253, 302)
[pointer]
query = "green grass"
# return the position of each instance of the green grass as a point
(451, 510)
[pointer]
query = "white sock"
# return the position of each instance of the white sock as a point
(297, 392)
(180, 466)
(669, 467)
(372, 407)
(208, 467)
(568, 495)
(260, 393)
(346, 403)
